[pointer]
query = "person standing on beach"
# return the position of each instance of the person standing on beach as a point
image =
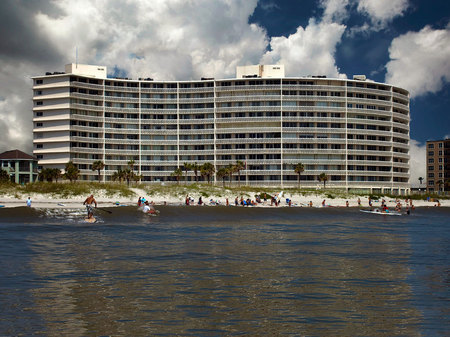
(359, 201)
(29, 202)
(323, 203)
(88, 202)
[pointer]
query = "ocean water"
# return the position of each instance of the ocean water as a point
(217, 271)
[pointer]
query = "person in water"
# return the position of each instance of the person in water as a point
(88, 202)
(148, 208)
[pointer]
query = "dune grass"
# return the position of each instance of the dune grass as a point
(76, 189)
(66, 190)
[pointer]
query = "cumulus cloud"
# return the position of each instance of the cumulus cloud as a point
(420, 61)
(162, 39)
(174, 39)
(381, 12)
(417, 152)
(309, 51)
(334, 10)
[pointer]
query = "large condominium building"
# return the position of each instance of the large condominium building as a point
(355, 131)
(438, 165)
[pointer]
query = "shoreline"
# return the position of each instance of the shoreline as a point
(297, 200)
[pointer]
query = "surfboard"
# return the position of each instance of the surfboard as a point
(91, 220)
(380, 213)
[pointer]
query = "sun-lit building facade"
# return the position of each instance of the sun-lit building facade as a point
(356, 131)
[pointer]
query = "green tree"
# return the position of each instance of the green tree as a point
(187, 167)
(177, 173)
(131, 165)
(238, 167)
(195, 167)
(55, 173)
(207, 170)
(222, 173)
(118, 175)
(299, 168)
(440, 184)
(98, 165)
(323, 177)
(230, 171)
(4, 176)
(72, 172)
(45, 175)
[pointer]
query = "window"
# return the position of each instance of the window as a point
(38, 124)
(39, 103)
(39, 81)
(431, 146)
(39, 146)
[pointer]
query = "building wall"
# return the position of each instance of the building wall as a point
(438, 165)
(357, 132)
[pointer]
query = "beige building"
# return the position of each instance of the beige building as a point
(354, 130)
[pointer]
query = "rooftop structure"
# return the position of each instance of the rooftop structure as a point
(355, 131)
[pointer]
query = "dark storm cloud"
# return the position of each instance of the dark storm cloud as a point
(21, 39)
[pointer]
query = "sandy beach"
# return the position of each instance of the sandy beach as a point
(297, 200)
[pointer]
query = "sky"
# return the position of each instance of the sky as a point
(401, 42)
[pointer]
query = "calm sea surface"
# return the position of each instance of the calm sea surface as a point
(216, 271)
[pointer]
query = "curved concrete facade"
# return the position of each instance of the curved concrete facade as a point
(355, 131)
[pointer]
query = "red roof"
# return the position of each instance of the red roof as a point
(16, 154)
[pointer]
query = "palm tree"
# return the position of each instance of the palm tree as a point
(55, 173)
(98, 165)
(420, 180)
(238, 167)
(323, 177)
(187, 167)
(131, 165)
(118, 175)
(177, 174)
(299, 168)
(222, 173)
(207, 170)
(230, 171)
(440, 183)
(195, 167)
(72, 172)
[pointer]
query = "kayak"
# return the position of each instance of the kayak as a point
(376, 211)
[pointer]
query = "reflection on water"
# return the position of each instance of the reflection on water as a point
(213, 271)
